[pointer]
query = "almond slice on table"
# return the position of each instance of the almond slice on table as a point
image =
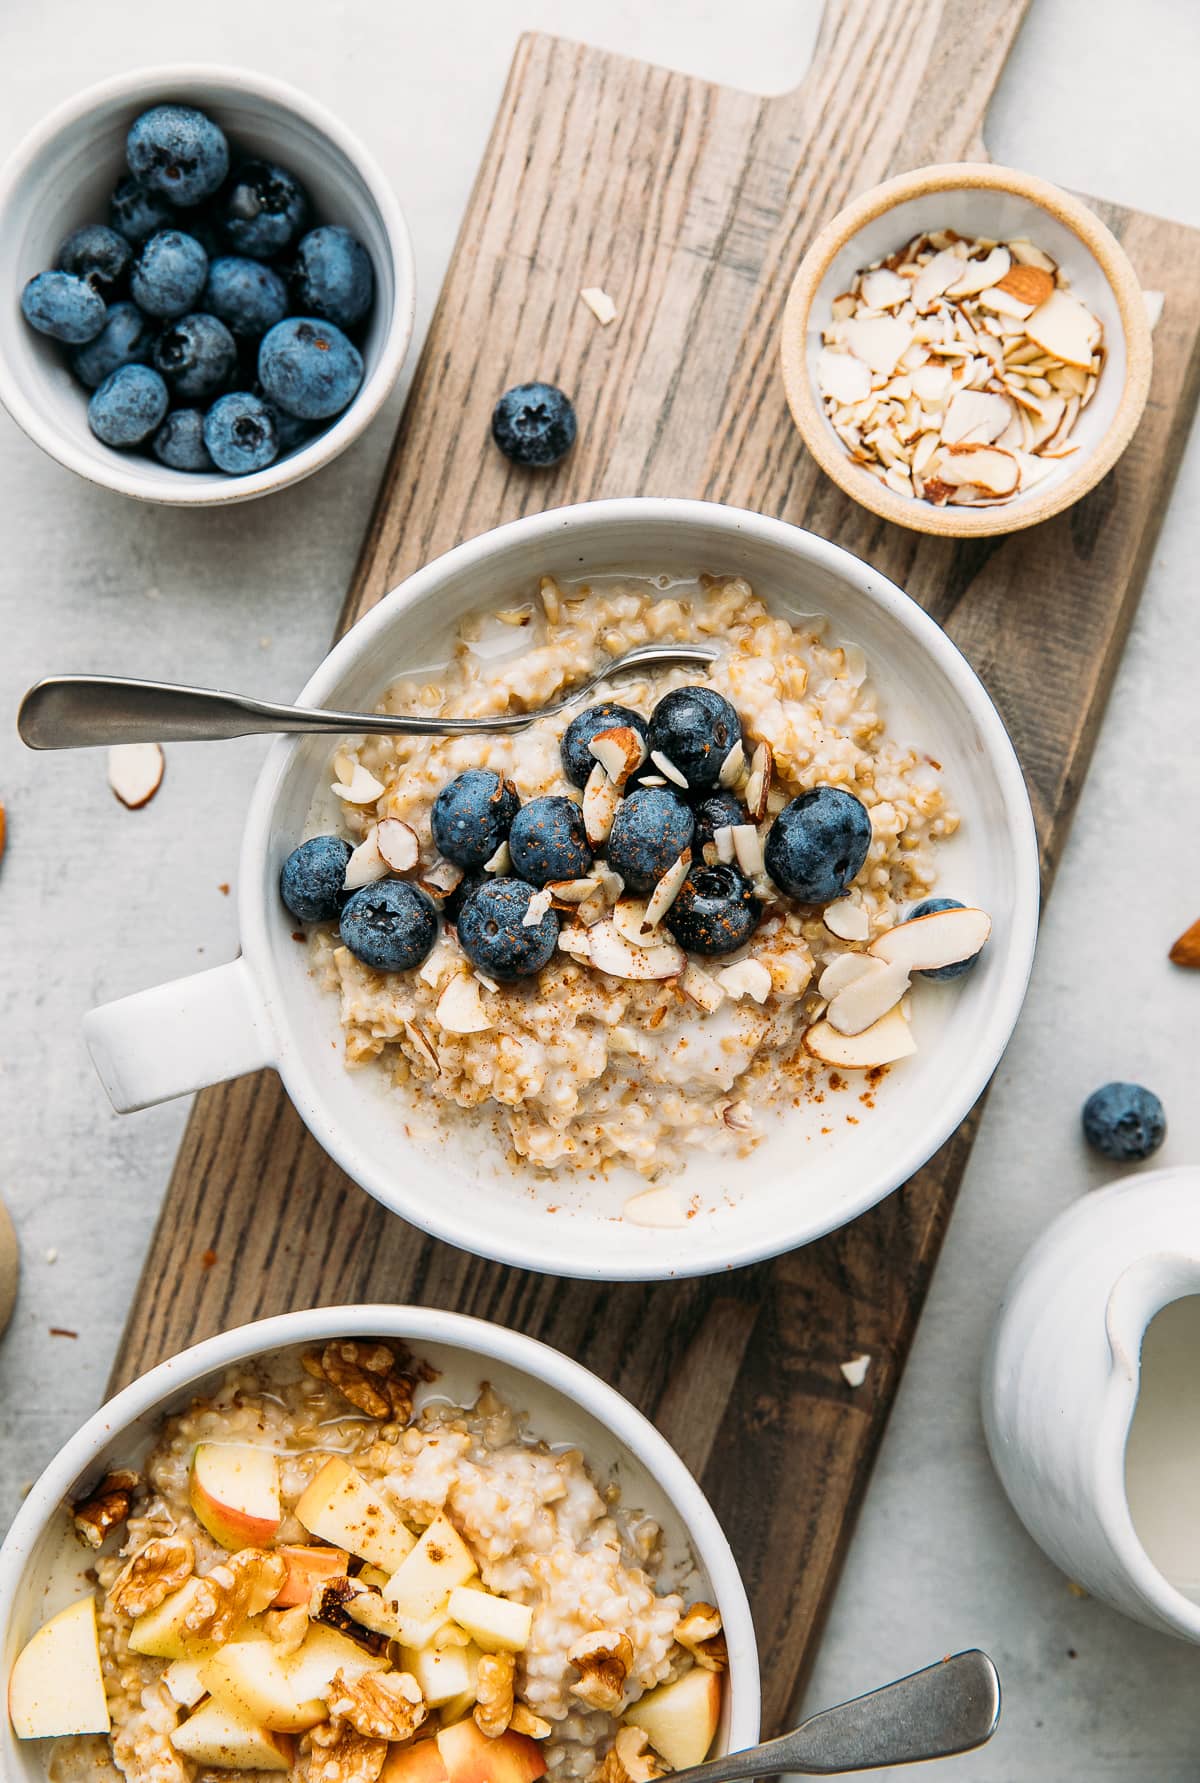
(847, 920)
(601, 798)
(610, 952)
(366, 865)
(460, 1007)
(135, 772)
(889, 1039)
(655, 1207)
(1186, 951)
(620, 752)
(986, 467)
(844, 970)
(398, 844)
(1063, 327)
(840, 375)
(859, 1004)
(940, 939)
(600, 304)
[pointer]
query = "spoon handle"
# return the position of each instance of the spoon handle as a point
(949, 1707)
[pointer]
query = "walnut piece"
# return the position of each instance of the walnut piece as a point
(242, 1585)
(378, 1705)
(604, 1661)
(699, 1632)
(107, 1506)
(340, 1754)
(368, 1375)
(287, 1628)
(150, 1577)
(630, 1759)
(523, 1720)
(494, 1694)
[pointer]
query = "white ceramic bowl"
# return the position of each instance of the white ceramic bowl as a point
(61, 176)
(42, 1565)
(801, 1181)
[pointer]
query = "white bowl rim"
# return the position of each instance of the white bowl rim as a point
(143, 82)
(415, 1325)
(555, 1256)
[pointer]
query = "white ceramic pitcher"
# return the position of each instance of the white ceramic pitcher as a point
(1062, 1380)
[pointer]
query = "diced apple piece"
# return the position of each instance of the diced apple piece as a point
(221, 1735)
(182, 1678)
(424, 1580)
(286, 1692)
(680, 1719)
(307, 1567)
(457, 1708)
(442, 1672)
(497, 1624)
(340, 1507)
(421, 1763)
(161, 1633)
(57, 1686)
(374, 1575)
(234, 1490)
(470, 1757)
(423, 1631)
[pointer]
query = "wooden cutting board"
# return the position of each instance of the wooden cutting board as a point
(692, 205)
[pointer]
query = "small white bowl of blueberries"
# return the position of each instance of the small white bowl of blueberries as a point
(211, 286)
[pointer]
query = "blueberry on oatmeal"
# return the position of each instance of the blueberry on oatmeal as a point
(390, 926)
(312, 879)
(695, 728)
(473, 815)
(818, 843)
(715, 910)
(652, 828)
(575, 748)
(548, 841)
(719, 811)
(493, 934)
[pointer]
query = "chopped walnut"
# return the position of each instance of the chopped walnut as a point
(494, 1693)
(367, 1374)
(630, 1759)
(287, 1628)
(107, 1506)
(242, 1585)
(604, 1661)
(378, 1705)
(699, 1631)
(523, 1720)
(150, 1577)
(340, 1754)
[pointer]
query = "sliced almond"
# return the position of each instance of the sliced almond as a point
(732, 766)
(940, 939)
(860, 1003)
(601, 798)
(745, 978)
(666, 766)
(611, 883)
(884, 289)
(135, 772)
(460, 1007)
(758, 783)
(854, 1372)
(986, 467)
(620, 752)
(748, 848)
(610, 953)
(1028, 284)
(932, 384)
(667, 889)
(366, 865)
(537, 907)
(423, 1044)
(572, 891)
(701, 988)
(1063, 326)
(977, 275)
(847, 920)
(888, 1039)
(1031, 469)
(723, 843)
(878, 341)
(576, 941)
(443, 877)
(843, 377)
(844, 970)
(600, 304)
(629, 920)
(362, 788)
(935, 278)
(1026, 254)
(397, 844)
(1002, 303)
(500, 862)
(977, 416)
(655, 1207)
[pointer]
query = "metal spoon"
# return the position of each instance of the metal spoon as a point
(79, 711)
(953, 1706)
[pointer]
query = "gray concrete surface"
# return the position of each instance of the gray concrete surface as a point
(95, 902)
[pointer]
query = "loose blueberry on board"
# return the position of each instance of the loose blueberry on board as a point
(1124, 1121)
(126, 339)
(136, 212)
(715, 910)
(717, 812)
(695, 728)
(534, 424)
(332, 276)
(177, 151)
(817, 844)
(312, 878)
(64, 307)
(929, 907)
(99, 255)
(169, 274)
(575, 748)
(472, 815)
(493, 935)
(239, 431)
(309, 368)
(247, 296)
(548, 841)
(390, 926)
(197, 356)
(264, 210)
(128, 406)
(179, 442)
(652, 828)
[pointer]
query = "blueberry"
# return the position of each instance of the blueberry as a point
(136, 212)
(472, 815)
(548, 841)
(128, 406)
(177, 151)
(290, 430)
(197, 356)
(312, 878)
(817, 844)
(577, 758)
(264, 210)
(652, 828)
(390, 926)
(493, 935)
(534, 424)
(239, 431)
(309, 368)
(695, 728)
(99, 255)
(453, 902)
(126, 339)
(332, 276)
(169, 274)
(715, 910)
(248, 296)
(1124, 1121)
(717, 812)
(64, 307)
(956, 968)
(179, 442)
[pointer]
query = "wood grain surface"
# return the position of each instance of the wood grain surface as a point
(692, 206)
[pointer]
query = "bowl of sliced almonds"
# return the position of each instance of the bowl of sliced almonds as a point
(966, 350)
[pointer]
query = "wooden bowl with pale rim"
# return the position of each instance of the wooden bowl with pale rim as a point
(998, 204)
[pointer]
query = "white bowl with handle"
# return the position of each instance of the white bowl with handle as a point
(264, 1008)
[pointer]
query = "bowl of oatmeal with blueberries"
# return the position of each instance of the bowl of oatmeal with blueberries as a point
(685, 973)
(375, 1545)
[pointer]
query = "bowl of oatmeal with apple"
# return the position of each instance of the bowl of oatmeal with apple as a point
(403, 1547)
(685, 974)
